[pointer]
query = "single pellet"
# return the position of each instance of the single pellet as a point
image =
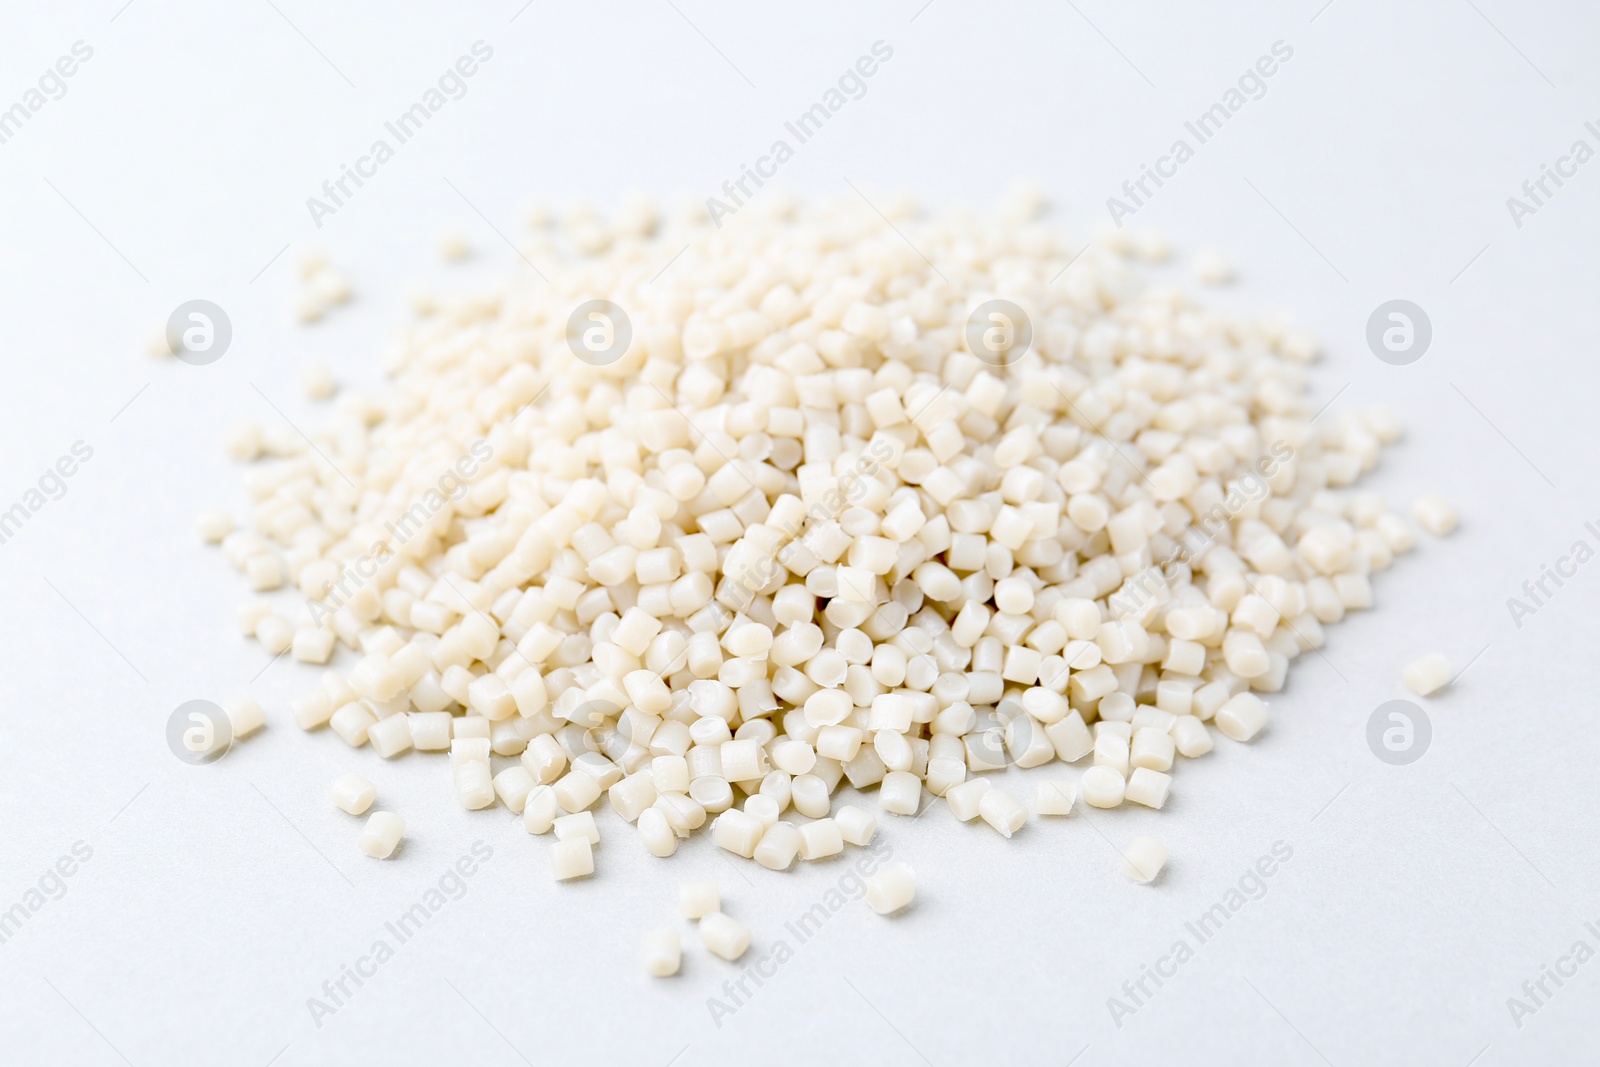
(663, 952)
(656, 832)
(856, 825)
(1435, 514)
(723, 936)
(353, 794)
(245, 716)
(699, 899)
(820, 839)
(1148, 787)
(1002, 811)
(891, 888)
(780, 844)
(540, 810)
(1103, 787)
(738, 832)
(579, 826)
(900, 792)
(1054, 798)
(1242, 717)
(572, 858)
(381, 834)
(963, 799)
(1428, 675)
(1143, 859)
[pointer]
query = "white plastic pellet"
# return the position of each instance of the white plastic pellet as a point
(1190, 736)
(1002, 811)
(1103, 787)
(699, 899)
(1428, 675)
(900, 792)
(724, 937)
(893, 887)
(245, 716)
(213, 526)
(1435, 514)
(1212, 268)
(318, 382)
(857, 826)
(656, 831)
(453, 246)
(965, 798)
(738, 832)
(820, 839)
(1148, 787)
(580, 826)
(663, 952)
(779, 846)
(381, 834)
(391, 736)
(1242, 717)
(540, 809)
(1143, 859)
(353, 794)
(1054, 798)
(572, 858)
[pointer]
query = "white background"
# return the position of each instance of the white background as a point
(219, 899)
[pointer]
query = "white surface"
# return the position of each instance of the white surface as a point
(1418, 900)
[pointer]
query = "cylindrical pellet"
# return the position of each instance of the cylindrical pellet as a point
(1002, 811)
(663, 952)
(1242, 717)
(1103, 787)
(699, 899)
(1143, 859)
(353, 794)
(779, 846)
(382, 834)
(723, 936)
(856, 825)
(573, 858)
(891, 889)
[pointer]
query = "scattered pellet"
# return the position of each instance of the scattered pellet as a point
(353, 794)
(1428, 675)
(1054, 798)
(663, 952)
(572, 858)
(891, 888)
(381, 834)
(245, 716)
(1435, 514)
(698, 899)
(724, 937)
(1143, 859)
